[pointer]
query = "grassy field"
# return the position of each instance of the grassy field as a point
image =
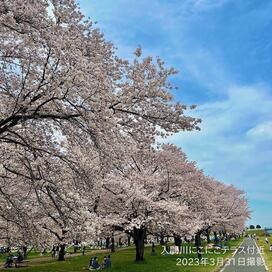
(264, 246)
(122, 261)
(258, 232)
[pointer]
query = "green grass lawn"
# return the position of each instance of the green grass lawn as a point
(265, 247)
(122, 261)
(31, 255)
(258, 232)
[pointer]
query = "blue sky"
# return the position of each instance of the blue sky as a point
(222, 50)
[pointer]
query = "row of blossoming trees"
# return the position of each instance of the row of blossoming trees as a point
(78, 130)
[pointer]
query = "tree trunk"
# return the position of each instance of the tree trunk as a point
(128, 240)
(178, 241)
(25, 251)
(112, 244)
(198, 245)
(208, 236)
(107, 242)
(139, 235)
(61, 252)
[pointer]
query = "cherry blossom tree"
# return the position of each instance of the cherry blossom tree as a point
(62, 88)
(155, 191)
(233, 207)
(58, 74)
(140, 195)
(78, 130)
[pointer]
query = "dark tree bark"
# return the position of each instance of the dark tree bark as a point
(25, 252)
(208, 236)
(178, 241)
(128, 241)
(61, 252)
(112, 244)
(107, 242)
(139, 235)
(198, 245)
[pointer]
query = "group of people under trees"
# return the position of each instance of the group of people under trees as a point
(55, 251)
(94, 264)
(14, 260)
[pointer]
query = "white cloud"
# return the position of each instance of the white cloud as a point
(262, 131)
(209, 4)
(203, 67)
(227, 147)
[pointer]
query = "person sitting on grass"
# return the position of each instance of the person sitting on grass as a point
(107, 262)
(94, 265)
(9, 262)
(91, 263)
(104, 262)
